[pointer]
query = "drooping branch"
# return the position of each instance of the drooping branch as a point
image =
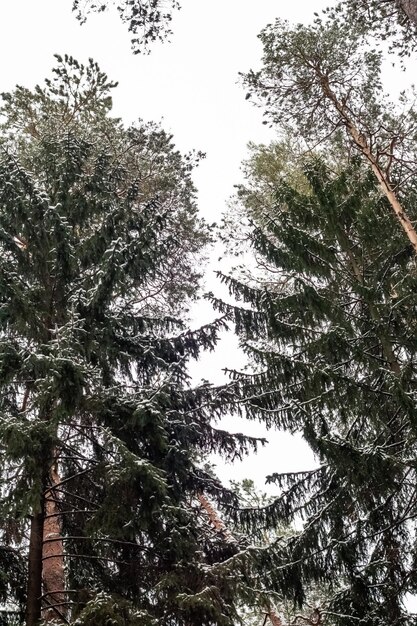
(386, 345)
(220, 527)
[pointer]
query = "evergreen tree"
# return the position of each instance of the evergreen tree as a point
(392, 20)
(101, 436)
(332, 339)
(316, 598)
(325, 77)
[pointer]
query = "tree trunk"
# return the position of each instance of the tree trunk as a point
(53, 573)
(34, 588)
(363, 146)
(46, 577)
(275, 619)
(410, 9)
(215, 519)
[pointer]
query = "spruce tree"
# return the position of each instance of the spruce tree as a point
(101, 436)
(330, 329)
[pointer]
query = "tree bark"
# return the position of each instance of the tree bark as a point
(215, 519)
(34, 588)
(53, 573)
(363, 146)
(46, 574)
(410, 9)
(275, 619)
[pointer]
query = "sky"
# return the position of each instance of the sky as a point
(191, 86)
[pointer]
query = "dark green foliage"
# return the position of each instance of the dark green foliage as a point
(332, 338)
(98, 237)
(148, 20)
(12, 577)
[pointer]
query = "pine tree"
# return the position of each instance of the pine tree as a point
(392, 20)
(322, 78)
(332, 339)
(101, 435)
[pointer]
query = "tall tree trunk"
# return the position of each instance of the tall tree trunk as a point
(53, 573)
(410, 9)
(34, 588)
(46, 575)
(275, 619)
(363, 146)
(215, 519)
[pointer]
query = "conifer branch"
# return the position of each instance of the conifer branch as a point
(220, 527)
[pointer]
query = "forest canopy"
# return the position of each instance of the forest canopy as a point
(111, 510)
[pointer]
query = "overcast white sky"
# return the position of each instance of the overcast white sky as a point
(190, 85)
